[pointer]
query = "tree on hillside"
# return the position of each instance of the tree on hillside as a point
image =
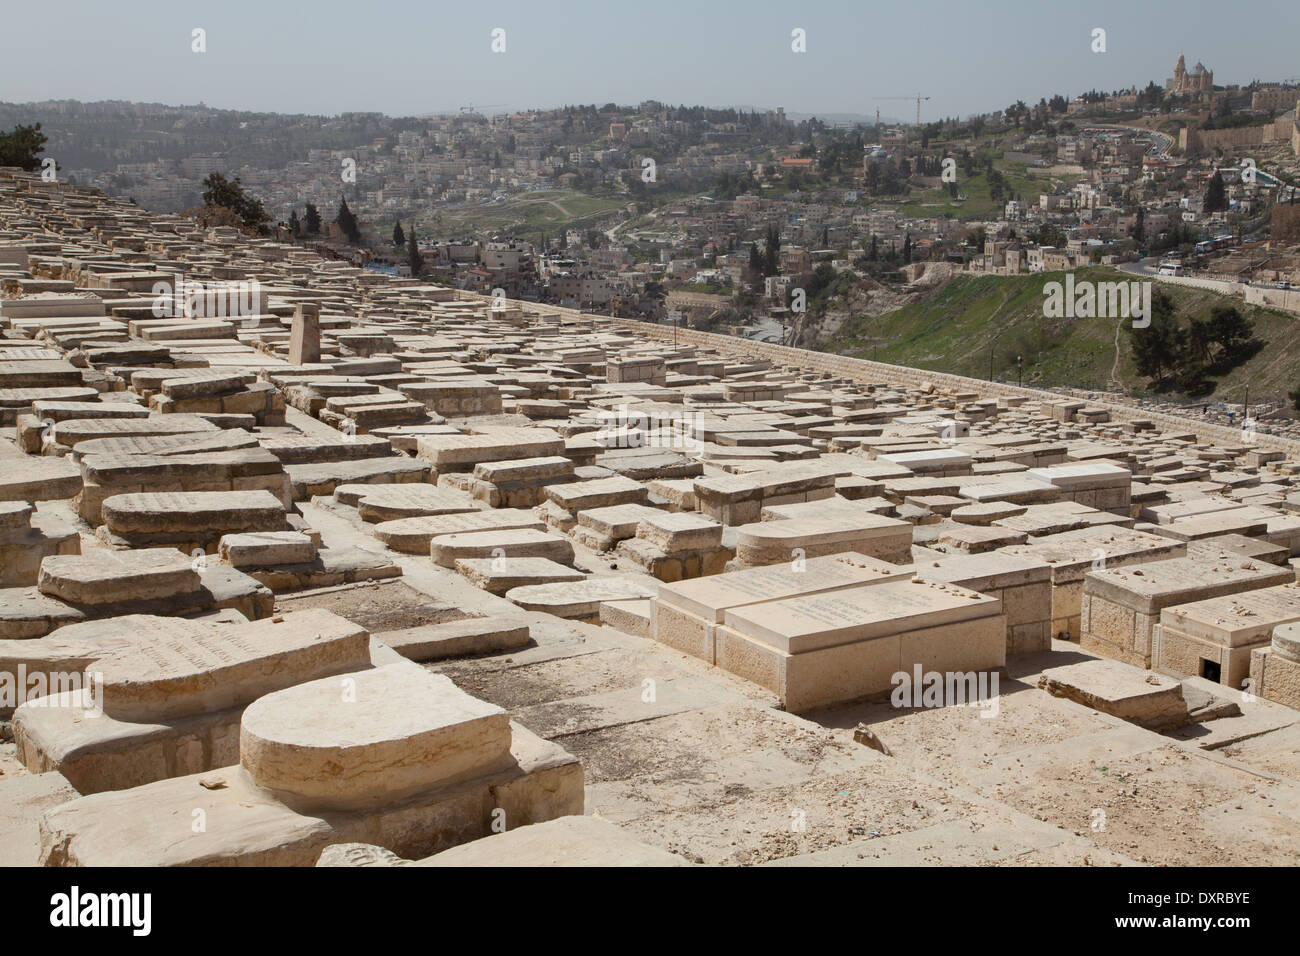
(772, 251)
(347, 222)
(907, 248)
(1160, 349)
(399, 238)
(1216, 196)
(295, 226)
(1139, 226)
(1223, 337)
(222, 193)
(311, 219)
(413, 257)
(20, 147)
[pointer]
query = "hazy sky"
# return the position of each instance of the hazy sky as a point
(407, 57)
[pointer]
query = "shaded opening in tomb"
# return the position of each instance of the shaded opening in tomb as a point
(1211, 670)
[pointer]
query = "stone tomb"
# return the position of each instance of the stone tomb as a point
(1072, 554)
(826, 649)
(1122, 606)
(393, 756)
(1214, 638)
(169, 703)
(675, 546)
(414, 535)
(740, 499)
(1099, 485)
(27, 537)
(75, 588)
(1024, 585)
(519, 483)
(685, 614)
(774, 542)
(450, 453)
(189, 520)
(1275, 670)
(291, 560)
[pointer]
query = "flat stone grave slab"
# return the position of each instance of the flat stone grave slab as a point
(773, 542)
(413, 535)
(462, 452)
(162, 446)
(74, 431)
(499, 575)
(813, 622)
(312, 449)
(578, 496)
(501, 544)
(322, 478)
(581, 600)
(214, 670)
(390, 502)
(38, 479)
(185, 513)
(477, 635)
(1072, 554)
(1149, 700)
(260, 549)
(118, 577)
(64, 654)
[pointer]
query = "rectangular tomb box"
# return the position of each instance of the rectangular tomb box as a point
(1099, 485)
(685, 614)
(1275, 669)
(1072, 554)
(1121, 606)
(1214, 638)
(1023, 585)
(826, 649)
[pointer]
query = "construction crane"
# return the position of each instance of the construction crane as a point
(918, 97)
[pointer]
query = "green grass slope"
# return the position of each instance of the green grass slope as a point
(958, 328)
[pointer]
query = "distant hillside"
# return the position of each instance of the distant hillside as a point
(953, 328)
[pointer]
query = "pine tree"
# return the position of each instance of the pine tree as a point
(312, 219)
(1216, 196)
(413, 256)
(295, 226)
(907, 248)
(347, 222)
(399, 238)
(1161, 348)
